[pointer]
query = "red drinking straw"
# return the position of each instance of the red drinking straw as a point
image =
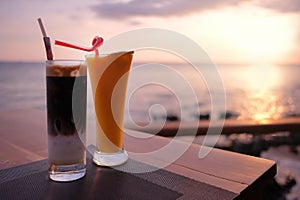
(97, 42)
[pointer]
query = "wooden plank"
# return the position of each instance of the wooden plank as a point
(227, 170)
(170, 129)
(228, 185)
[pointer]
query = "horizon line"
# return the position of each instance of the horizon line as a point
(169, 62)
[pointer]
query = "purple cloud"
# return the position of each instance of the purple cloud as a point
(281, 5)
(165, 8)
(156, 7)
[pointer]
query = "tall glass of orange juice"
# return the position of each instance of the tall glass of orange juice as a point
(109, 77)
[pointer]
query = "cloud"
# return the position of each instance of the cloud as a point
(285, 6)
(162, 8)
(166, 8)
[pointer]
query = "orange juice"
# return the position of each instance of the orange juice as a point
(109, 77)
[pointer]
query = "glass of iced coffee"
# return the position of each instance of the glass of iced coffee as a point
(66, 117)
(109, 77)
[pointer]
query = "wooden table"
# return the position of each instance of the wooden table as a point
(23, 140)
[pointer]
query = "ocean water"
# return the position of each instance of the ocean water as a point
(156, 91)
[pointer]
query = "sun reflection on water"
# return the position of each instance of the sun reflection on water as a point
(264, 101)
(265, 105)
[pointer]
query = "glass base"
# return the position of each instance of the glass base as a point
(110, 159)
(65, 173)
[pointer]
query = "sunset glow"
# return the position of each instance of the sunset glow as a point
(237, 32)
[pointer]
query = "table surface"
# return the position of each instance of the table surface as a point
(23, 140)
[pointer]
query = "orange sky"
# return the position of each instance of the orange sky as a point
(231, 31)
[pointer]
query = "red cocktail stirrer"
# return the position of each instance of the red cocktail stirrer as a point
(97, 42)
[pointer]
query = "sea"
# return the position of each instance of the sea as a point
(181, 91)
(172, 91)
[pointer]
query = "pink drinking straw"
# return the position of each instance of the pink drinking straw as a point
(97, 42)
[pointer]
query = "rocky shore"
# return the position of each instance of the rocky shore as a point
(283, 147)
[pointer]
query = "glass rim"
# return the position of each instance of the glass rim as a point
(64, 60)
(105, 54)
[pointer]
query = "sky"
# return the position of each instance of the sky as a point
(230, 31)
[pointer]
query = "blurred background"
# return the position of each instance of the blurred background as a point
(254, 45)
